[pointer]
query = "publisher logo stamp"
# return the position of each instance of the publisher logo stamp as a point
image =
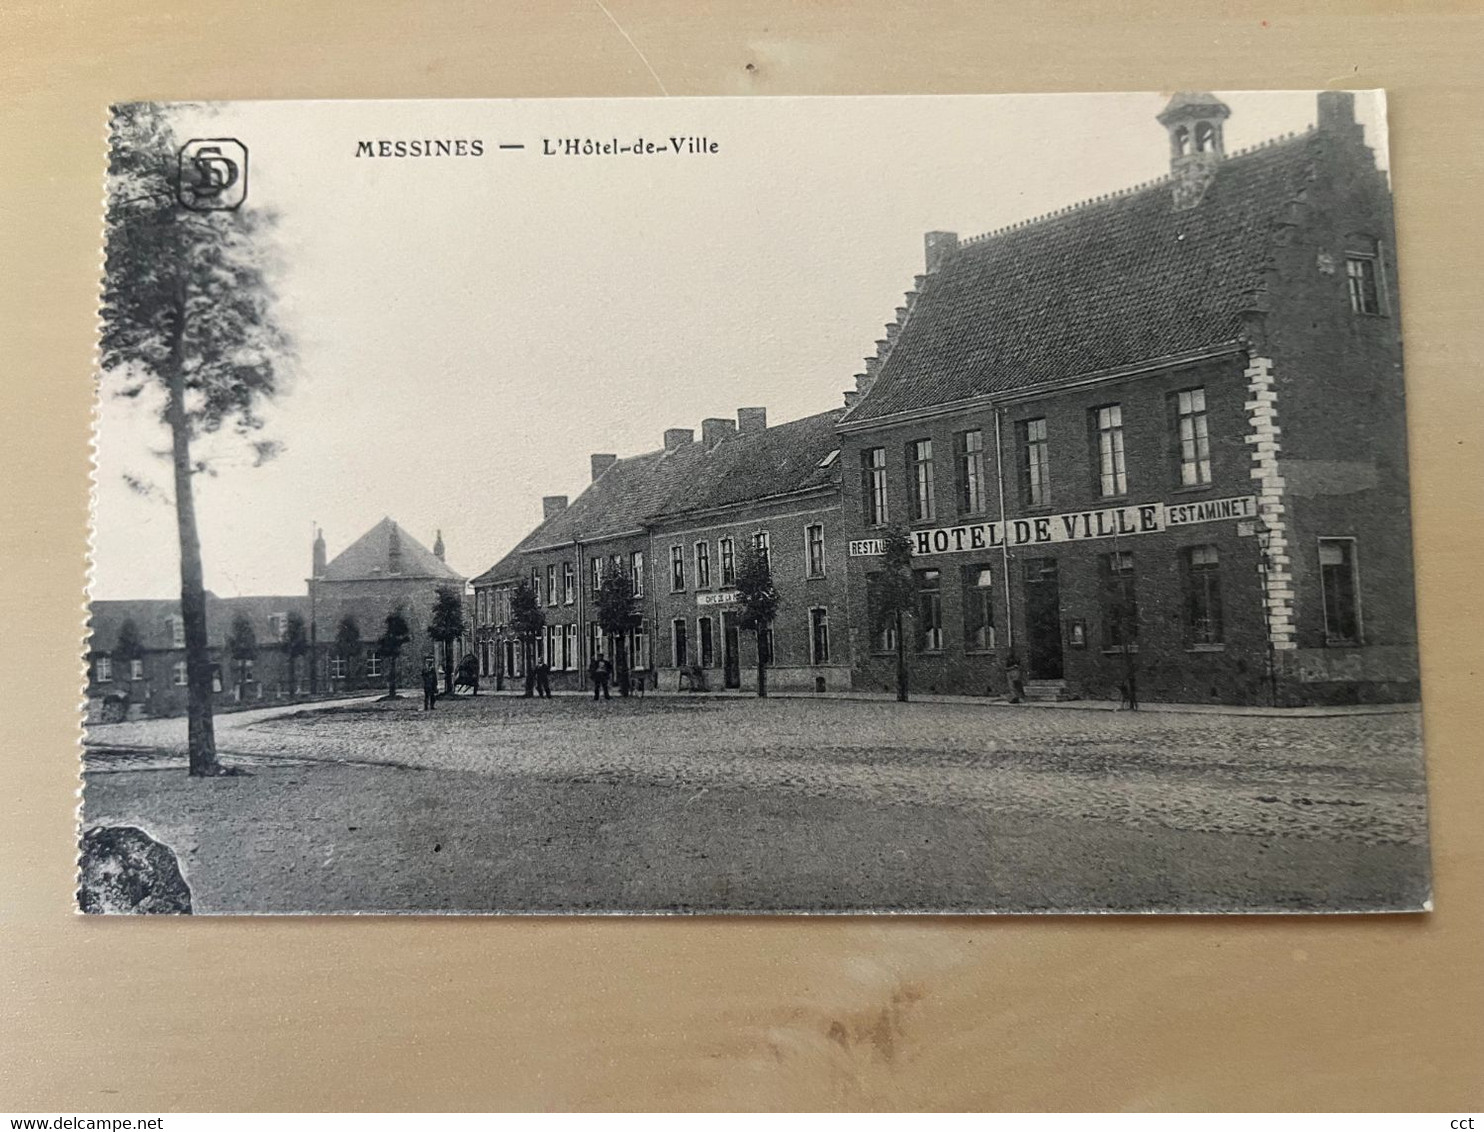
(213, 174)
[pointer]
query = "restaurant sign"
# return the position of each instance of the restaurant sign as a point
(1072, 526)
(724, 597)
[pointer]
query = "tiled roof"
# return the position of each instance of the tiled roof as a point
(370, 557)
(1100, 286)
(152, 619)
(639, 490)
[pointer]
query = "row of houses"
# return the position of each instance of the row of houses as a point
(1156, 436)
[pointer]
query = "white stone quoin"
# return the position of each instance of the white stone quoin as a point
(1266, 445)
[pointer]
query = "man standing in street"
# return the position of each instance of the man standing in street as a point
(430, 684)
(599, 670)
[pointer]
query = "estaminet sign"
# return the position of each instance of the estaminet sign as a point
(1072, 526)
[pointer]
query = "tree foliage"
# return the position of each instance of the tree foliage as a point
(128, 646)
(618, 615)
(527, 619)
(242, 647)
(446, 627)
(187, 308)
(394, 637)
(758, 598)
(295, 644)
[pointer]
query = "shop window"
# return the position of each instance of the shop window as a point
(979, 627)
(1337, 575)
(1203, 618)
(1119, 600)
(929, 619)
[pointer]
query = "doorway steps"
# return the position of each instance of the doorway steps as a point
(1047, 691)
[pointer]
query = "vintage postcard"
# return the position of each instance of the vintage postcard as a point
(972, 504)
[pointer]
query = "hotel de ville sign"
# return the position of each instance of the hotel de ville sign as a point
(1072, 526)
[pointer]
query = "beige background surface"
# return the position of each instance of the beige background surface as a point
(1349, 1013)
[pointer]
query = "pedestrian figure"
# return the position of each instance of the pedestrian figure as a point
(1012, 677)
(430, 684)
(543, 680)
(600, 670)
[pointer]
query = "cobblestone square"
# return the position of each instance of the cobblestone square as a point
(739, 804)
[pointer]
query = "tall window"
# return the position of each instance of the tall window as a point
(636, 572)
(1195, 437)
(615, 563)
(1203, 622)
(569, 647)
(873, 487)
(177, 632)
(178, 672)
(708, 642)
(883, 626)
(761, 541)
(677, 569)
(103, 669)
(551, 585)
(677, 641)
(728, 562)
(979, 634)
(1112, 479)
(819, 636)
(969, 461)
(640, 657)
(594, 641)
(1360, 279)
(569, 583)
(536, 583)
(814, 547)
(1035, 463)
(595, 583)
(1119, 601)
(1341, 595)
(929, 611)
(703, 565)
(920, 458)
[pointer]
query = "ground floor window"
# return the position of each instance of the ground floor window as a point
(136, 670)
(569, 647)
(103, 669)
(373, 664)
(594, 640)
(708, 642)
(1337, 573)
(639, 646)
(883, 625)
(929, 610)
(178, 671)
(678, 643)
(979, 628)
(338, 667)
(819, 636)
(1203, 620)
(1120, 609)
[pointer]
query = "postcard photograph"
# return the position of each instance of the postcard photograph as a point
(796, 505)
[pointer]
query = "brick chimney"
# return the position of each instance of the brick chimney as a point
(552, 505)
(716, 429)
(601, 462)
(939, 246)
(678, 438)
(1337, 113)
(752, 420)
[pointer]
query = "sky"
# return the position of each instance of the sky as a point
(469, 330)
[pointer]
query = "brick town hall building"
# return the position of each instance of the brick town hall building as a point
(1156, 436)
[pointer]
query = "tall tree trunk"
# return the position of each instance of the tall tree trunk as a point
(762, 667)
(621, 650)
(293, 684)
(901, 661)
(448, 668)
(528, 653)
(200, 734)
(391, 678)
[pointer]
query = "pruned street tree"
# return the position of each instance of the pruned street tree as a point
(893, 596)
(295, 644)
(389, 646)
(347, 645)
(618, 617)
(242, 647)
(446, 627)
(188, 310)
(758, 598)
(527, 619)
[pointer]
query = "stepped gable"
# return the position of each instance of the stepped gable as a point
(370, 556)
(1108, 283)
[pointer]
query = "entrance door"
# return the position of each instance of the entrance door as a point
(732, 674)
(1042, 619)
